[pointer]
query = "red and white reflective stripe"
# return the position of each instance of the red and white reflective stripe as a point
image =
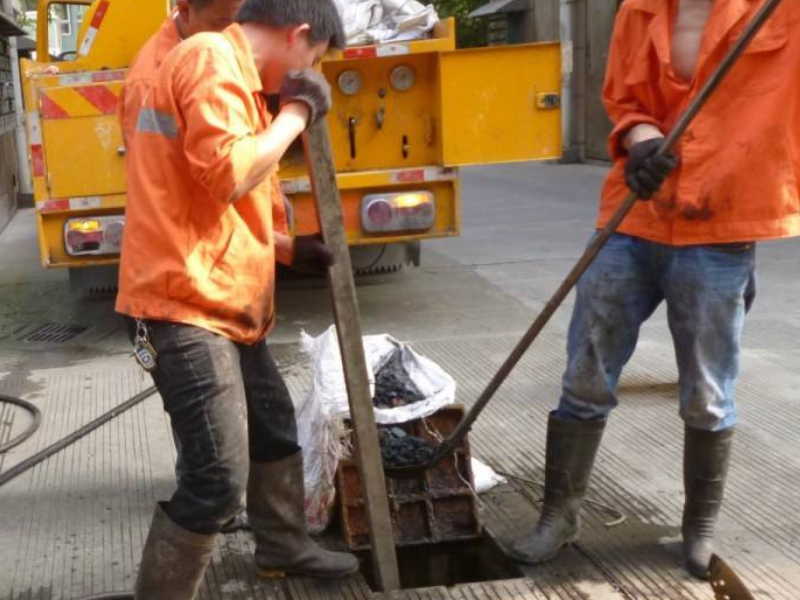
(75, 78)
(76, 203)
(86, 77)
(358, 52)
(94, 26)
(85, 202)
(53, 205)
(34, 128)
(104, 76)
(420, 175)
(35, 138)
(302, 185)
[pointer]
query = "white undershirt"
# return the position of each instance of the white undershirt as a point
(688, 36)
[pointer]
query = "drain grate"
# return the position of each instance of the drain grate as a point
(56, 333)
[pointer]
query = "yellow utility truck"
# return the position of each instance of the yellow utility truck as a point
(405, 116)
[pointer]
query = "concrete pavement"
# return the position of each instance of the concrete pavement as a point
(75, 524)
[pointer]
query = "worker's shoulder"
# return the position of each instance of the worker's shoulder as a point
(152, 54)
(645, 6)
(204, 57)
(206, 46)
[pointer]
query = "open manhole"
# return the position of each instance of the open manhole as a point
(56, 333)
(449, 564)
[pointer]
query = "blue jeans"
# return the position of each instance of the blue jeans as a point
(708, 291)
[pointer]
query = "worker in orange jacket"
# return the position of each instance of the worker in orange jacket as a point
(690, 242)
(197, 281)
(190, 17)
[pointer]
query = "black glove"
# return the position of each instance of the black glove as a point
(645, 171)
(311, 254)
(309, 87)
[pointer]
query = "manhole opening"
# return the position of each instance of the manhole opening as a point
(449, 564)
(57, 333)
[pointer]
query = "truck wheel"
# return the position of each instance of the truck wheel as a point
(93, 281)
(385, 258)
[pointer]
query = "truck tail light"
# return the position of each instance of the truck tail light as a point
(94, 235)
(403, 211)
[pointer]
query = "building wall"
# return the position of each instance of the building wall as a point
(594, 20)
(8, 148)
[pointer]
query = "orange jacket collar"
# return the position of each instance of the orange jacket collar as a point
(244, 55)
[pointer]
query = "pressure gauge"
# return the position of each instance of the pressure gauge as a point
(350, 82)
(402, 78)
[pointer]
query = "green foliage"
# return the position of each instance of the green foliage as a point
(470, 32)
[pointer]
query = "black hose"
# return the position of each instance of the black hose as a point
(42, 455)
(36, 416)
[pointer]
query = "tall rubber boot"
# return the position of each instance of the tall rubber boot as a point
(706, 455)
(571, 450)
(174, 561)
(275, 507)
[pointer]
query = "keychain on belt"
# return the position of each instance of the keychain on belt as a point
(143, 350)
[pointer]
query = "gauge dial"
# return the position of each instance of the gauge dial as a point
(350, 82)
(403, 78)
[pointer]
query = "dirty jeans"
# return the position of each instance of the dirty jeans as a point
(707, 289)
(228, 405)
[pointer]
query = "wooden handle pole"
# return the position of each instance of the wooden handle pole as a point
(348, 326)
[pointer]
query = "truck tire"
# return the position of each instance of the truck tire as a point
(384, 258)
(94, 281)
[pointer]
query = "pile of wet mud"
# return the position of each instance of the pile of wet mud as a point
(393, 385)
(398, 449)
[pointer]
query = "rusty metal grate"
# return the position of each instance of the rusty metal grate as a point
(56, 333)
(435, 507)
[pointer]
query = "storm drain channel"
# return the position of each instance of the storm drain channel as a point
(53, 333)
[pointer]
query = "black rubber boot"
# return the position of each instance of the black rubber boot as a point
(706, 456)
(174, 561)
(275, 508)
(571, 450)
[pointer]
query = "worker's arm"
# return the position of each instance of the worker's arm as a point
(632, 121)
(224, 153)
(271, 145)
(284, 243)
(305, 97)
(636, 136)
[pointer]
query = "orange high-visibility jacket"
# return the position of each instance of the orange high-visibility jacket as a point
(142, 74)
(190, 255)
(740, 159)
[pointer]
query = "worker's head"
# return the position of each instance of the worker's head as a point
(290, 34)
(206, 15)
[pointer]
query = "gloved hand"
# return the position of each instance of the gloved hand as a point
(309, 87)
(644, 171)
(311, 254)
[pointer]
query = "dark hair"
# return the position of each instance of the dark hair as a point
(200, 3)
(321, 15)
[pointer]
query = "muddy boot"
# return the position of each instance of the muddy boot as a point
(571, 449)
(173, 561)
(705, 466)
(275, 508)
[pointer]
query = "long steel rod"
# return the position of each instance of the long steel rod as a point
(604, 234)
